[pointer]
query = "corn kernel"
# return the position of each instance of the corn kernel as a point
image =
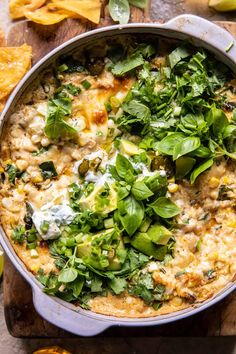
(177, 301)
(34, 268)
(226, 180)
(214, 182)
(213, 256)
(37, 179)
(231, 224)
(173, 187)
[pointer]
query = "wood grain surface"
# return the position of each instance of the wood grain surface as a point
(21, 318)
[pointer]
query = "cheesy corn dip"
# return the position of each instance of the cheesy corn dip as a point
(118, 179)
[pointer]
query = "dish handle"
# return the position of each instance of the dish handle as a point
(207, 31)
(59, 315)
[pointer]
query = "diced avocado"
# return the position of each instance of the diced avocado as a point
(159, 234)
(129, 148)
(91, 202)
(108, 223)
(93, 248)
(142, 242)
(145, 225)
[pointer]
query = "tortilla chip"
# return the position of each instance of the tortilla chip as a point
(14, 63)
(89, 9)
(17, 7)
(46, 16)
(2, 104)
(2, 39)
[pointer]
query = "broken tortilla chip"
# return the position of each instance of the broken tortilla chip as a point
(89, 9)
(2, 104)
(46, 16)
(14, 63)
(17, 7)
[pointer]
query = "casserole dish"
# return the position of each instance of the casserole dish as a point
(211, 37)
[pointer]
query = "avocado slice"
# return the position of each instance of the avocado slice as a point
(142, 242)
(159, 234)
(91, 202)
(128, 148)
(91, 250)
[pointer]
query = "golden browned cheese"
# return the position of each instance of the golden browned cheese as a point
(206, 235)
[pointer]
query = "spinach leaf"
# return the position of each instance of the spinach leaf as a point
(184, 165)
(119, 10)
(67, 275)
(177, 55)
(167, 145)
(118, 285)
(124, 168)
(140, 191)
(48, 170)
(126, 65)
(131, 214)
(185, 146)
(165, 208)
(203, 167)
(56, 126)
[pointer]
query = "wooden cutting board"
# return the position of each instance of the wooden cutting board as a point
(21, 318)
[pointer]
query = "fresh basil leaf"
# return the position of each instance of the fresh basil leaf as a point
(167, 145)
(202, 152)
(124, 168)
(220, 122)
(119, 10)
(203, 167)
(156, 183)
(140, 191)
(56, 126)
(67, 275)
(139, 3)
(123, 190)
(118, 285)
(177, 55)
(185, 146)
(77, 285)
(137, 109)
(48, 169)
(229, 131)
(184, 165)
(165, 208)
(126, 65)
(131, 214)
(96, 284)
(42, 277)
